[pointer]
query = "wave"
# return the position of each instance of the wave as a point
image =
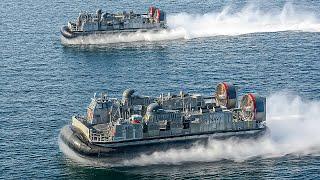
(250, 19)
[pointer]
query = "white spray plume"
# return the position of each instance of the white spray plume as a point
(294, 124)
(249, 19)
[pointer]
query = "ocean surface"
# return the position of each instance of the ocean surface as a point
(267, 47)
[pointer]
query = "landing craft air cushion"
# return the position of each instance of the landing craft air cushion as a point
(143, 124)
(108, 23)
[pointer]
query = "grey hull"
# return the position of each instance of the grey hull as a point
(129, 149)
(65, 32)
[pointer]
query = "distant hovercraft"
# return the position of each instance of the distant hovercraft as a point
(108, 23)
